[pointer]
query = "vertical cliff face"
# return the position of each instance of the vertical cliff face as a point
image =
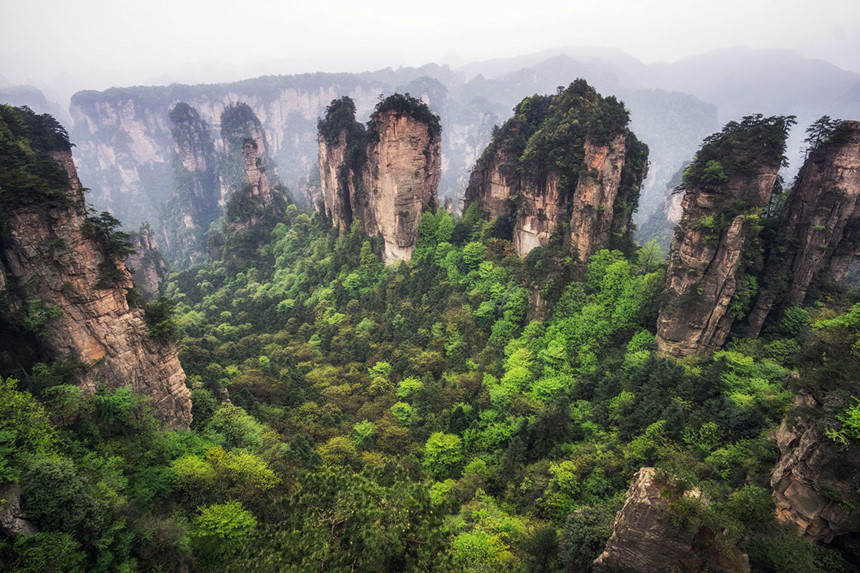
(727, 187)
(384, 176)
(815, 482)
(342, 156)
(194, 204)
(819, 228)
(148, 266)
(401, 179)
(649, 535)
(564, 161)
(65, 280)
(124, 134)
(254, 205)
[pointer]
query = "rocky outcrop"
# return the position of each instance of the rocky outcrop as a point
(385, 178)
(13, 522)
(125, 144)
(196, 198)
(65, 280)
(254, 206)
(819, 228)
(647, 535)
(816, 483)
(336, 186)
(401, 180)
(148, 267)
(564, 161)
(726, 189)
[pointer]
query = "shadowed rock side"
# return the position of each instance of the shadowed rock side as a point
(196, 199)
(819, 229)
(726, 189)
(564, 161)
(56, 265)
(254, 203)
(146, 263)
(647, 536)
(816, 483)
(384, 177)
(336, 188)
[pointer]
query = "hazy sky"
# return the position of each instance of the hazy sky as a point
(75, 44)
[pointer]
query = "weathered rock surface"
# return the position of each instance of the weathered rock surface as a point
(819, 228)
(196, 197)
(816, 482)
(148, 266)
(401, 180)
(12, 520)
(397, 177)
(646, 539)
(557, 163)
(54, 263)
(729, 185)
(335, 184)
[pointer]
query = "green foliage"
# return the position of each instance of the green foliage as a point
(443, 454)
(161, 318)
(30, 174)
(740, 148)
(219, 533)
(48, 552)
(821, 132)
(585, 534)
(25, 430)
(405, 104)
(344, 521)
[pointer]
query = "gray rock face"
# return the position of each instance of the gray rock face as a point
(147, 264)
(646, 538)
(819, 228)
(54, 262)
(722, 206)
(12, 522)
(396, 182)
(196, 197)
(593, 196)
(815, 481)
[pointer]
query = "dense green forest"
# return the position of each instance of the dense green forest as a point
(429, 416)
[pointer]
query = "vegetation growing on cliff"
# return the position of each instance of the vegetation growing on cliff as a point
(29, 174)
(739, 149)
(352, 416)
(405, 104)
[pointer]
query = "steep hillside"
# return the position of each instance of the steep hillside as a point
(65, 288)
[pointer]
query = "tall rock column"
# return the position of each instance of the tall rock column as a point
(819, 227)
(727, 187)
(404, 164)
(384, 176)
(64, 278)
(565, 161)
(195, 202)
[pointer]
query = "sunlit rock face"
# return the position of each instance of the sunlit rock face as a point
(60, 266)
(726, 191)
(819, 229)
(384, 177)
(564, 162)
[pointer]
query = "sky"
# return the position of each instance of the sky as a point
(63, 46)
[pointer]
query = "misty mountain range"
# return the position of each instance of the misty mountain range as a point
(123, 134)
